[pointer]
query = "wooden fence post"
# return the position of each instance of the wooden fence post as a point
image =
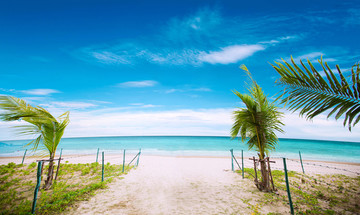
(256, 180)
(58, 167)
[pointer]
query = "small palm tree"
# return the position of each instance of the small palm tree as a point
(257, 124)
(47, 128)
(314, 93)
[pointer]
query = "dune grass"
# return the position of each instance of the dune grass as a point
(315, 194)
(75, 182)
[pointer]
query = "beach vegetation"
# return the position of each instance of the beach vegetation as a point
(312, 92)
(325, 197)
(17, 190)
(256, 124)
(48, 129)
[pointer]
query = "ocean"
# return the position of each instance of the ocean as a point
(195, 146)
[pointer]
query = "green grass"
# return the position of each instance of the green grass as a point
(331, 194)
(75, 182)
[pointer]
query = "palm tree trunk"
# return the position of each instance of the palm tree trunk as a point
(265, 182)
(50, 174)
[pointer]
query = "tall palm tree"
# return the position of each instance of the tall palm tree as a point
(257, 124)
(314, 93)
(47, 128)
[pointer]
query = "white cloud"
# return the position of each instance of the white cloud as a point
(142, 105)
(189, 28)
(230, 54)
(201, 89)
(190, 40)
(175, 122)
(108, 57)
(100, 102)
(173, 90)
(271, 42)
(319, 128)
(69, 105)
(137, 84)
(34, 98)
(7, 90)
(39, 92)
(173, 57)
(312, 56)
(201, 122)
(280, 39)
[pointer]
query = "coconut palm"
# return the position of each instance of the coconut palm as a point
(48, 129)
(314, 93)
(257, 123)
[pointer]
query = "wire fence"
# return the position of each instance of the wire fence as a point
(125, 159)
(326, 166)
(105, 162)
(71, 156)
(302, 193)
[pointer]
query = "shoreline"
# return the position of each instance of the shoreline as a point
(310, 167)
(176, 156)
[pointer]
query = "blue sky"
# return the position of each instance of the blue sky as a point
(166, 67)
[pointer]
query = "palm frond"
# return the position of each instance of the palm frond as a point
(257, 122)
(306, 90)
(48, 129)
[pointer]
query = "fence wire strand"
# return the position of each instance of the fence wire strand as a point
(248, 162)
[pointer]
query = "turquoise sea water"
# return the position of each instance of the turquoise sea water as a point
(197, 146)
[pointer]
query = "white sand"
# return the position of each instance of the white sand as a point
(171, 185)
(184, 185)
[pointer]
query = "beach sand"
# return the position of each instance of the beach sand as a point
(185, 185)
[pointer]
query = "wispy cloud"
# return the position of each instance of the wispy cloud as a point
(141, 119)
(230, 54)
(172, 57)
(34, 98)
(353, 16)
(312, 56)
(195, 57)
(7, 90)
(108, 57)
(319, 128)
(203, 37)
(280, 39)
(35, 92)
(142, 105)
(208, 37)
(192, 27)
(172, 122)
(138, 84)
(181, 90)
(69, 105)
(39, 92)
(211, 122)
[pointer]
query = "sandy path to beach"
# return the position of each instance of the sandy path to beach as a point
(186, 185)
(170, 185)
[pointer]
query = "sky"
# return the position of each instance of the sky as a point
(126, 68)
